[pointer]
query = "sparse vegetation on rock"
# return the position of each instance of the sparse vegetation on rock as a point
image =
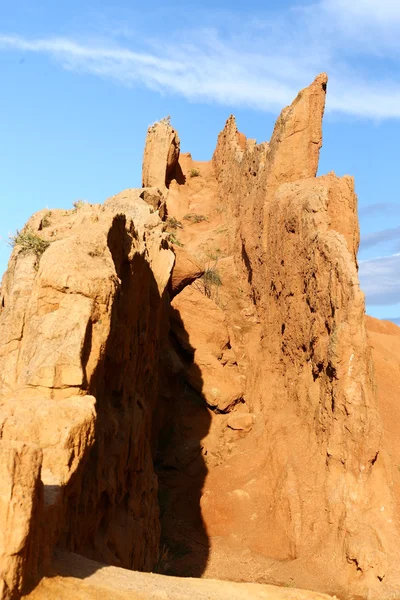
(30, 242)
(194, 218)
(174, 240)
(173, 223)
(211, 280)
(78, 204)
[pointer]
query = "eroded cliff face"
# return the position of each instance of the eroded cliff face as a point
(209, 411)
(161, 154)
(315, 379)
(305, 479)
(83, 328)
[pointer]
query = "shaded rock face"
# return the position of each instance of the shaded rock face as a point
(186, 270)
(211, 371)
(82, 333)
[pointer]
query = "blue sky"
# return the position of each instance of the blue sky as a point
(83, 79)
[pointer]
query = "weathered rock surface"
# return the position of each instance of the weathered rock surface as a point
(200, 328)
(155, 198)
(186, 270)
(77, 577)
(302, 276)
(241, 421)
(317, 487)
(251, 173)
(384, 339)
(78, 335)
(20, 498)
(320, 465)
(161, 154)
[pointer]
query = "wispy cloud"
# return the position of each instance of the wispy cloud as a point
(380, 280)
(212, 71)
(260, 63)
(373, 239)
(362, 17)
(378, 208)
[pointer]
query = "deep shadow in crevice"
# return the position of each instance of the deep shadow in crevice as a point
(176, 175)
(246, 261)
(249, 269)
(180, 463)
(111, 502)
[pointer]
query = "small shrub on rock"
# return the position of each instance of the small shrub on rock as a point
(78, 204)
(193, 218)
(30, 242)
(211, 280)
(174, 240)
(173, 223)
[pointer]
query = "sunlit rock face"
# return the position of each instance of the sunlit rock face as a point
(186, 382)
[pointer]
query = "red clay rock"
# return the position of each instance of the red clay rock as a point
(384, 340)
(318, 477)
(77, 338)
(241, 421)
(186, 270)
(20, 503)
(293, 151)
(77, 577)
(248, 178)
(161, 154)
(200, 327)
(155, 198)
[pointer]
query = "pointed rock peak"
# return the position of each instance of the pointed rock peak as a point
(230, 131)
(293, 152)
(231, 123)
(161, 154)
(231, 143)
(322, 80)
(297, 137)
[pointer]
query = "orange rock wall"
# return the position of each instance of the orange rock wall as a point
(311, 379)
(83, 330)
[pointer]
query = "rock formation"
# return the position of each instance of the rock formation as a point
(20, 499)
(80, 331)
(161, 154)
(186, 270)
(186, 382)
(213, 369)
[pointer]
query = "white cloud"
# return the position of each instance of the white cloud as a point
(210, 70)
(370, 27)
(378, 208)
(378, 237)
(259, 63)
(374, 12)
(380, 280)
